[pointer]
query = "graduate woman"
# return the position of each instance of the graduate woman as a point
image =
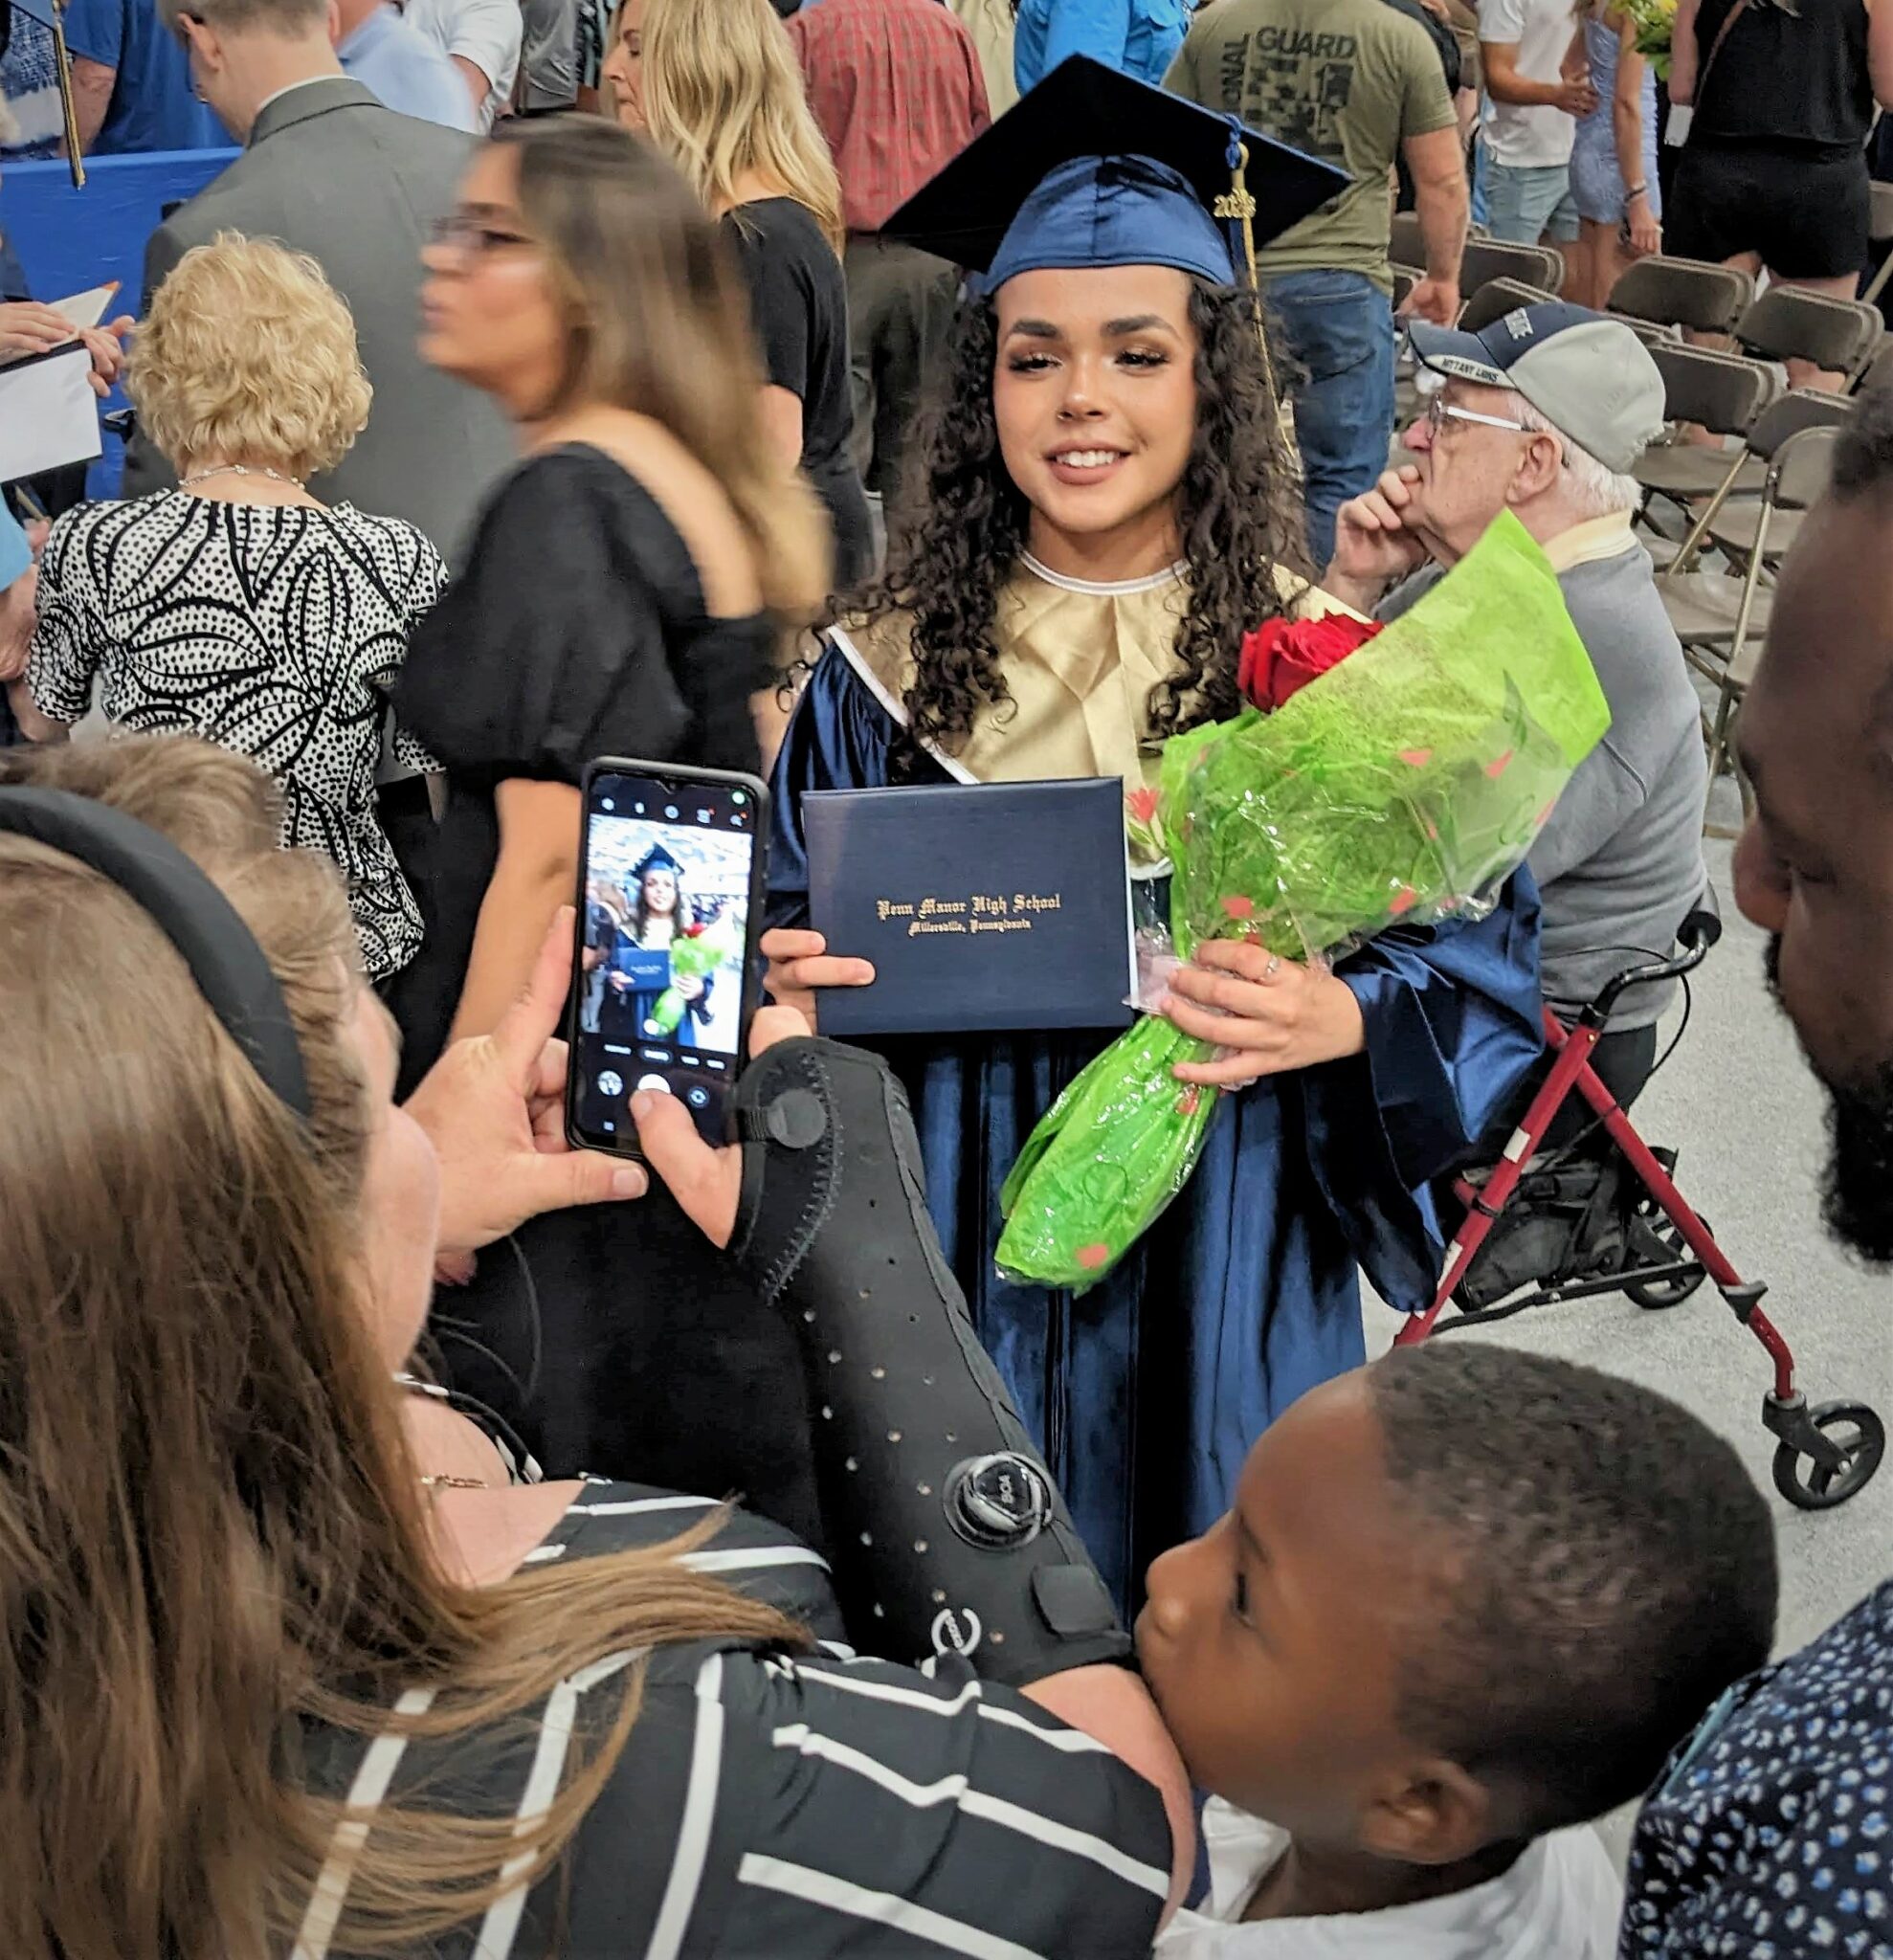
(659, 913)
(1105, 512)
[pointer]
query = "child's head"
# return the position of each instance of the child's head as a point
(1465, 1596)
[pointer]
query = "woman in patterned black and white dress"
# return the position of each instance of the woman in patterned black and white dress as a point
(237, 607)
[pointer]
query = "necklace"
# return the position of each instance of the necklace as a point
(237, 470)
(442, 1481)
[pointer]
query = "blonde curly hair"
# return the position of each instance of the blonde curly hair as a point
(249, 354)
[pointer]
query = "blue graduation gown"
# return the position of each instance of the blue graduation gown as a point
(1147, 1391)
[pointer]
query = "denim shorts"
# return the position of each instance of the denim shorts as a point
(1530, 202)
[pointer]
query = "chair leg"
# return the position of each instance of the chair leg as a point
(1722, 749)
(1692, 544)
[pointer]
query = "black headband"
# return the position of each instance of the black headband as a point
(224, 961)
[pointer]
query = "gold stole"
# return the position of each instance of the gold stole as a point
(1081, 661)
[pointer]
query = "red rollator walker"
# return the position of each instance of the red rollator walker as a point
(1825, 1454)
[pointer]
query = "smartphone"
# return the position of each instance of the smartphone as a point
(666, 966)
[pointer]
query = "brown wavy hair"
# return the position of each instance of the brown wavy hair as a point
(963, 521)
(658, 322)
(211, 1527)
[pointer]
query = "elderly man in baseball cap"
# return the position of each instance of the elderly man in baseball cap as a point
(1544, 413)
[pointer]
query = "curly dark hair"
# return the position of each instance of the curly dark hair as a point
(961, 525)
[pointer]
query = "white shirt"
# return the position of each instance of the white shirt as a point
(1561, 1901)
(1542, 30)
(487, 33)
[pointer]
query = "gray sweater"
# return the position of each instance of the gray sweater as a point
(1620, 860)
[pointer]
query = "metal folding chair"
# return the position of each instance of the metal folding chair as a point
(1721, 392)
(1485, 259)
(1495, 298)
(1406, 243)
(1880, 230)
(1795, 481)
(1739, 529)
(1788, 325)
(1682, 292)
(1878, 371)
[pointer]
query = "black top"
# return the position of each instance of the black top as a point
(1784, 75)
(801, 301)
(799, 1806)
(611, 1339)
(577, 630)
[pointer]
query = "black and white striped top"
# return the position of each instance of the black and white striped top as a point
(777, 1808)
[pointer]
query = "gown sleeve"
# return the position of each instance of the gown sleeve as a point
(551, 648)
(1452, 1022)
(839, 738)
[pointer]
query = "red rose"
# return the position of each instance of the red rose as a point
(693, 931)
(1281, 657)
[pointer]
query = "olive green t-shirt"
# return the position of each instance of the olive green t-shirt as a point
(1345, 81)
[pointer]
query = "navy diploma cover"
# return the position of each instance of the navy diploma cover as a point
(982, 906)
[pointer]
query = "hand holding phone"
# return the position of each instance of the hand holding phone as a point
(670, 907)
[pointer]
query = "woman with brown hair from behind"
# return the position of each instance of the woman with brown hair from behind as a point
(266, 1683)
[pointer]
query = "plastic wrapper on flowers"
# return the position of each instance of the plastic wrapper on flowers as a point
(1400, 786)
(696, 954)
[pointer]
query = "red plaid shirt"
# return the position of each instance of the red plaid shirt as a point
(896, 88)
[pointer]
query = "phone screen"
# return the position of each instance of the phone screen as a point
(670, 906)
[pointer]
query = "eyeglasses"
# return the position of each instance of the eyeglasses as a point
(461, 233)
(1439, 411)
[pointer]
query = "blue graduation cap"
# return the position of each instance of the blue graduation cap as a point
(1040, 188)
(656, 858)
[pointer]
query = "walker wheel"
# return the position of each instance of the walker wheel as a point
(1662, 1243)
(1856, 1431)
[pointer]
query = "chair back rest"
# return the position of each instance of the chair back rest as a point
(1789, 414)
(1802, 467)
(1682, 292)
(1490, 258)
(1880, 226)
(1722, 392)
(1495, 298)
(1880, 369)
(1788, 325)
(1407, 244)
(1653, 335)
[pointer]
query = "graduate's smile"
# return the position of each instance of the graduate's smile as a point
(1078, 464)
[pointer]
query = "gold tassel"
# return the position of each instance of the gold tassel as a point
(1238, 202)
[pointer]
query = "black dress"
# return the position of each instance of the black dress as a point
(614, 1340)
(799, 298)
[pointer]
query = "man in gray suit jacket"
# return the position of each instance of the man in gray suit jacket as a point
(329, 172)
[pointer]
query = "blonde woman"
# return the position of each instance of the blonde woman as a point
(715, 85)
(237, 605)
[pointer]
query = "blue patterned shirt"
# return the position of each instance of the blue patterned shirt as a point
(1770, 1834)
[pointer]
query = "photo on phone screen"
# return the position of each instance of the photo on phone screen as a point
(670, 907)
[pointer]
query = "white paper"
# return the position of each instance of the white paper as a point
(48, 414)
(87, 308)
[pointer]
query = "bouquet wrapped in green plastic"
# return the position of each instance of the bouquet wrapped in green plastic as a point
(696, 954)
(1401, 786)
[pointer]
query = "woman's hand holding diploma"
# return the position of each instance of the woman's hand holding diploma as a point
(799, 962)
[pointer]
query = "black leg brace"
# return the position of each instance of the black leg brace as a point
(943, 1527)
